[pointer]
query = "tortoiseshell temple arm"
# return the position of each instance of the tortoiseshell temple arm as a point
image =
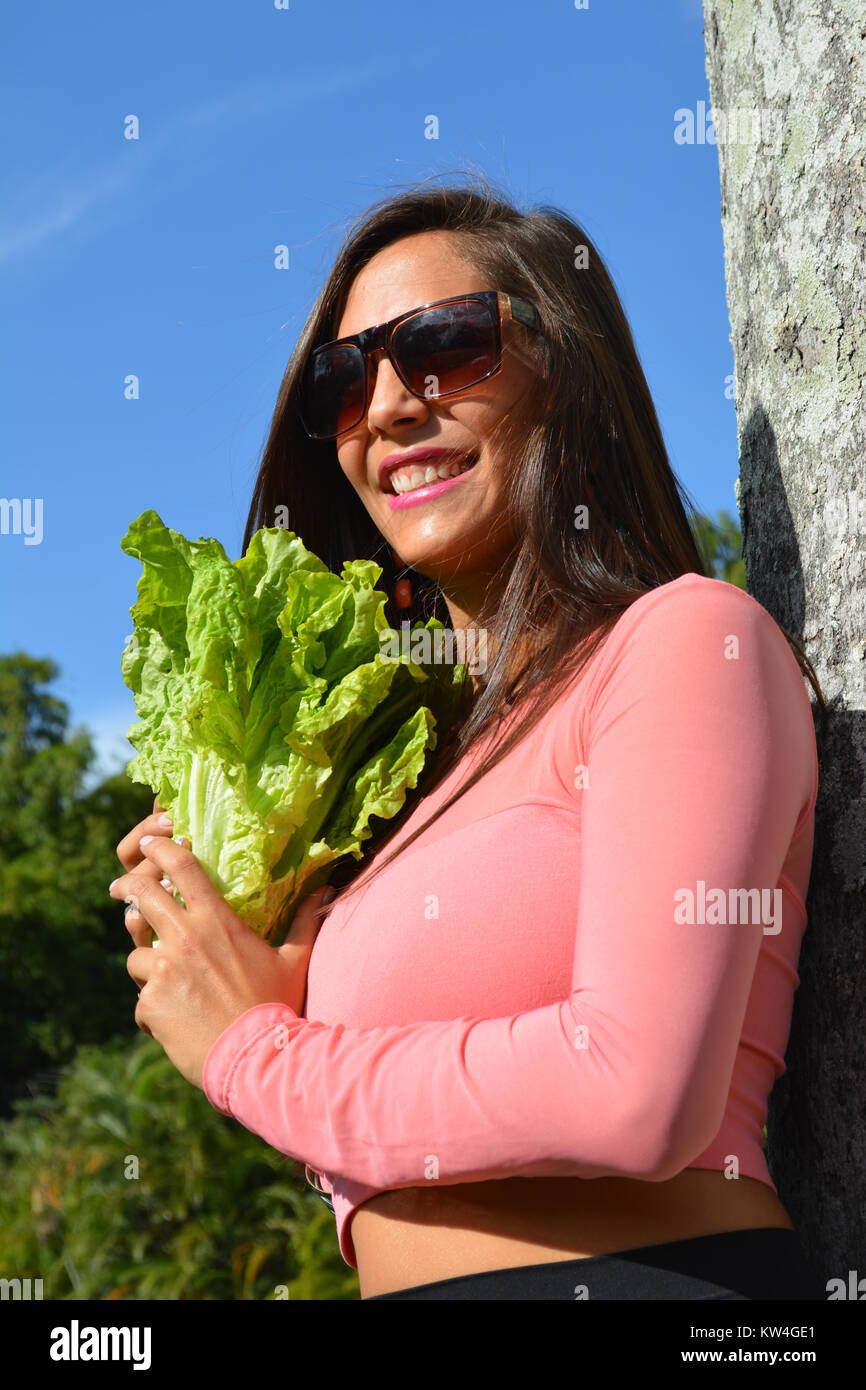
(523, 312)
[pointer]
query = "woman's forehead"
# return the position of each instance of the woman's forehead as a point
(410, 272)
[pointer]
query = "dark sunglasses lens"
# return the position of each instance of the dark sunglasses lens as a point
(332, 395)
(447, 348)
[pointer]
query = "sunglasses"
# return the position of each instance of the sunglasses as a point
(436, 350)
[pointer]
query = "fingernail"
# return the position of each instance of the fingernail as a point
(179, 840)
(165, 883)
(165, 821)
(146, 839)
(111, 884)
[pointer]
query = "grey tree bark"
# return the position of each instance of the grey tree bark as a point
(793, 183)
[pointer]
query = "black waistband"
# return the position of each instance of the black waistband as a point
(758, 1263)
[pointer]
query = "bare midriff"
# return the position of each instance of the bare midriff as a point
(417, 1235)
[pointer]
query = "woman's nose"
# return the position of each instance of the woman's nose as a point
(390, 401)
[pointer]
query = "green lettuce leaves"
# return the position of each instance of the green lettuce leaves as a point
(271, 724)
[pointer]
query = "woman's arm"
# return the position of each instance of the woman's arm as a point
(700, 764)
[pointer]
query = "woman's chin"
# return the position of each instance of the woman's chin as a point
(451, 565)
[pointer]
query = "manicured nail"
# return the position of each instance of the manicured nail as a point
(146, 839)
(166, 883)
(111, 884)
(165, 821)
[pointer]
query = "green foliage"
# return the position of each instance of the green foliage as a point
(63, 945)
(128, 1184)
(720, 544)
(214, 1212)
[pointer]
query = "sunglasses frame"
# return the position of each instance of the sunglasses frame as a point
(376, 342)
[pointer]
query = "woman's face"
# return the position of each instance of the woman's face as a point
(459, 535)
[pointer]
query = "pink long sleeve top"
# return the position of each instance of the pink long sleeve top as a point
(584, 967)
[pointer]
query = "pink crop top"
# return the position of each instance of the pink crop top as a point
(584, 967)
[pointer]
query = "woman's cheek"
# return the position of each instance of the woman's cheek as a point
(351, 461)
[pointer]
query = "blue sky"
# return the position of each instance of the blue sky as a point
(262, 126)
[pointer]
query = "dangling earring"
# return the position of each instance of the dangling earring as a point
(402, 588)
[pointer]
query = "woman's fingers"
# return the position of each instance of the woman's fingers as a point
(177, 863)
(151, 901)
(131, 856)
(140, 930)
(138, 927)
(139, 965)
(129, 851)
(309, 917)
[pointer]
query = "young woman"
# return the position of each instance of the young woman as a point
(528, 1051)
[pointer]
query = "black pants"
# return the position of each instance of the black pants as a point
(765, 1262)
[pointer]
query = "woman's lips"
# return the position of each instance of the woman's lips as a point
(398, 500)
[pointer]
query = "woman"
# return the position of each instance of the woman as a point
(532, 1055)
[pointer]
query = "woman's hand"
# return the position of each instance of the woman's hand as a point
(131, 857)
(210, 967)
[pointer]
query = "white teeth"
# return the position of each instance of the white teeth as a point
(414, 475)
(407, 479)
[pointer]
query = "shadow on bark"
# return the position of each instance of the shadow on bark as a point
(817, 1149)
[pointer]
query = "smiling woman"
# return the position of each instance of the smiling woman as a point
(459, 351)
(515, 1071)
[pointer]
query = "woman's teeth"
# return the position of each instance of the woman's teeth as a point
(416, 475)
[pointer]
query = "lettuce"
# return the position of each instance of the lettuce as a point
(271, 724)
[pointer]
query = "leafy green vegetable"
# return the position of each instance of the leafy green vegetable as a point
(272, 725)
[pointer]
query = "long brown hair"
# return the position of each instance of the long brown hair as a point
(592, 438)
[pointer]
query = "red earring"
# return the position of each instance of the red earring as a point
(402, 588)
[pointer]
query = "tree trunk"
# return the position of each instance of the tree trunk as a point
(795, 253)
